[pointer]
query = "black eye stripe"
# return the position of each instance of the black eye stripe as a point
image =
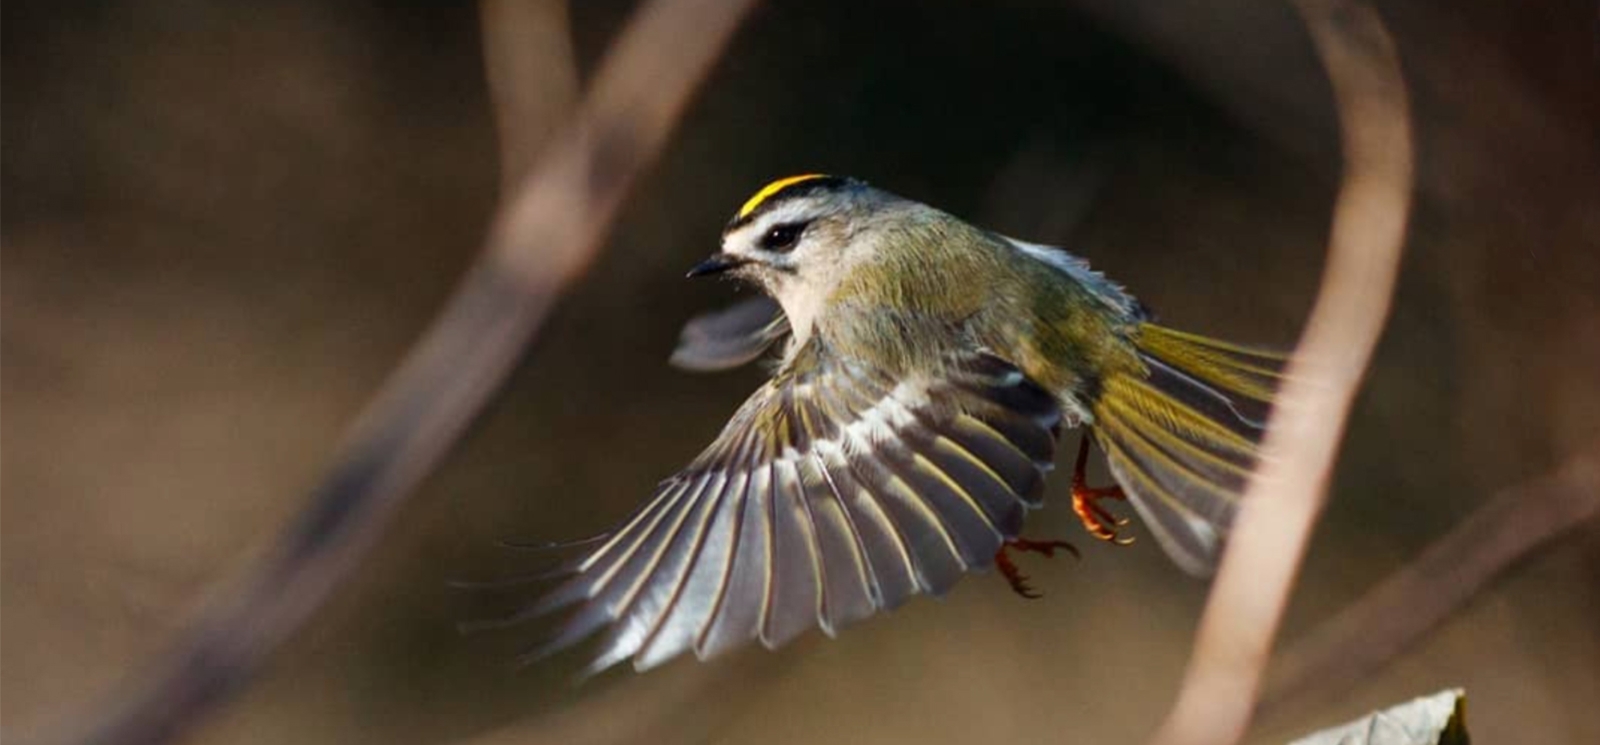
(783, 236)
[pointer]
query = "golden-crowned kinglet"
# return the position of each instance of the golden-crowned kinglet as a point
(905, 433)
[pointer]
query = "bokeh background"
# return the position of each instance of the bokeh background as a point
(224, 222)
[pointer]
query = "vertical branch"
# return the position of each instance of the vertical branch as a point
(547, 232)
(532, 75)
(1286, 495)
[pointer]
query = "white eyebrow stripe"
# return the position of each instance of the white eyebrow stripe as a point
(790, 211)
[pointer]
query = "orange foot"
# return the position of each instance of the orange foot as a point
(1086, 501)
(1013, 575)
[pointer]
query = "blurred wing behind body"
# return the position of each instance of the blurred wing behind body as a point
(727, 338)
(833, 493)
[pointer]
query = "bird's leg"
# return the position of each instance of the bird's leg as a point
(1008, 567)
(1086, 501)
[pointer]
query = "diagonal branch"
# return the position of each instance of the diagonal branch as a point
(1393, 615)
(1286, 496)
(546, 234)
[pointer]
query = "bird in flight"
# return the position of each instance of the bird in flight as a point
(927, 368)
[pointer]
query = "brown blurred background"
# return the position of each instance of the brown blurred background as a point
(223, 224)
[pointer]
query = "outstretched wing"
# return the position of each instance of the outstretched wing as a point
(833, 493)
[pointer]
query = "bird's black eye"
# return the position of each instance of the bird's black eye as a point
(782, 238)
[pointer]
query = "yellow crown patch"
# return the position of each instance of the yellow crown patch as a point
(773, 188)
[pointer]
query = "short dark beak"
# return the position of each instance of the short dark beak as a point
(717, 264)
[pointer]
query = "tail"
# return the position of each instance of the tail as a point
(1182, 438)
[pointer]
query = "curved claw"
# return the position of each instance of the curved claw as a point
(1008, 567)
(1086, 502)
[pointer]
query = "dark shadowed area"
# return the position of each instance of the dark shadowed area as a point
(223, 225)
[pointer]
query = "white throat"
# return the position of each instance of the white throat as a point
(803, 303)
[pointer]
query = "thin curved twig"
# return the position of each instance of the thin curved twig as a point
(546, 234)
(1396, 612)
(532, 72)
(1286, 496)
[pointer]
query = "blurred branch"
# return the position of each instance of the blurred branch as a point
(1286, 496)
(1394, 614)
(547, 232)
(532, 74)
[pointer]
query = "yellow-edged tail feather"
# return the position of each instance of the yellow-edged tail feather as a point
(1182, 437)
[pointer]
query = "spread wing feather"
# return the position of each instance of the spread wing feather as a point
(1181, 436)
(835, 492)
